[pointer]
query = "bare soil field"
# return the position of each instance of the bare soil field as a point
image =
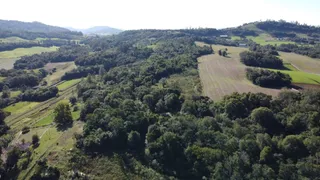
(222, 76)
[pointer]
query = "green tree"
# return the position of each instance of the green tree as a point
(293, 147)
(73, 100)
(264, 116)
(134, 140)
(13, 156)
(224, 53)
(35, 140)
(266, 154)
(62, 114)
(5, 92)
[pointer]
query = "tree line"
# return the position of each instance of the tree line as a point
(267, 78)
(43, 43)
(261, 59)
(64, 54)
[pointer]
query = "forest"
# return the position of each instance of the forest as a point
(131, 111)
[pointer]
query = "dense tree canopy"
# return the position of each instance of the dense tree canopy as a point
(267, 78)
(260, 59)
(243, 136)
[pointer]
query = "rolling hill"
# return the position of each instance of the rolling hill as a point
(98, 30)
(33, 30)
(276, 32)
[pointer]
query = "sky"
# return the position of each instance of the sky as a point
(159, 14)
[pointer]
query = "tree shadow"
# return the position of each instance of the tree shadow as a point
(65, 126)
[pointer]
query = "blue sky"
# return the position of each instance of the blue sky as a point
(159, 14)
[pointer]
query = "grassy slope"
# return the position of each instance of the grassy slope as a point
(265, 39)
(26, 51)
(67, 84)
(13, 40)
(61, 69)
(302, 69)
(7, 58)
(302, 63)
(20, 107)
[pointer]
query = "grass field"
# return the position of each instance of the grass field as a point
(7, 58)
(235, 38)
(302, 63)
(13, 40)
(303, 77)
(67, 84)
(265, 39)
(61, 69)
(20, 107)
(46, 120)
(13, 93)
(221, 76)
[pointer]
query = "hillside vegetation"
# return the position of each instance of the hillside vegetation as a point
(131, 106)
(33, 30)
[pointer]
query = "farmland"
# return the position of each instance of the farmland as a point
(302, 63)
(7, 58)
(221, 76)
(264, 39)
(61, 69)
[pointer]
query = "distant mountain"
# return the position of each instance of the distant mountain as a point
(8, 25)
(98, 30)
(32, 30)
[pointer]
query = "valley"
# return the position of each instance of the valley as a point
(159, 104)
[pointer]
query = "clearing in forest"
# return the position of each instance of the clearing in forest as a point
(222, 76)
(60, 69)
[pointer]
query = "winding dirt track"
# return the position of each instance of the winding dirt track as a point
(222, 76)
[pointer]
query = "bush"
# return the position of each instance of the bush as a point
(25, 130)
(35, 140)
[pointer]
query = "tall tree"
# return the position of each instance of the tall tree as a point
(62, 114)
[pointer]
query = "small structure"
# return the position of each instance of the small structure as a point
(224, 36)
(242, 45)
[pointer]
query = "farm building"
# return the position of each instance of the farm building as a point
(242, 45)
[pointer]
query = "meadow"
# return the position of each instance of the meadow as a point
(66, 84)
(20, 107)
(61, 69)
(302, 63)
(7, 58)
(265, 39)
